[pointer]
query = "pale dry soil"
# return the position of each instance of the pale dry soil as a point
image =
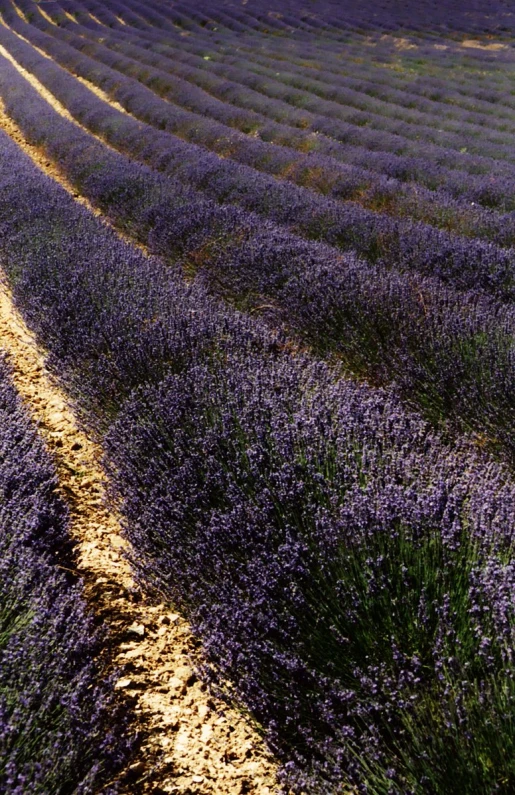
(193, 743)
(478, 45)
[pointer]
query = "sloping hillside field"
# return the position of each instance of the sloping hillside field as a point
(262, 254)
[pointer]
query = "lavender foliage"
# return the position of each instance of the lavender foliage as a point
(339, 563)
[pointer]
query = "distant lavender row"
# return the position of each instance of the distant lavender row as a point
(56, 716)
(280, 508)
(334, 72)
(317, 171)
(434, 97)
(492, 190)
(359, 109)
(476, 67)
(346, 106)
(327, 19)
(449, 352)
(480, 138)
(395, 244)
(186, 44)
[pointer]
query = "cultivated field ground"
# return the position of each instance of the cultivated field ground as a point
(257, 397)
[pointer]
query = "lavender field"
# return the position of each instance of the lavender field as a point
(269, 249)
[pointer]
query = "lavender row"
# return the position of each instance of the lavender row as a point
(450, 352)
(371, 82)
(395, 244)
(59, 728)
(425, 18)
(349, 107)
(494, 190)
(304, 116)
(471, 74)
(327, 175)
(483, 180)
(378, 112)
(281, 509)
(288, 518)
(487, 191)
(329, 57)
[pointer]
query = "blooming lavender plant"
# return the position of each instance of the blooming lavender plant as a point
(342, 582)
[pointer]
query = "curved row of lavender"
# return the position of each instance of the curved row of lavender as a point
(394, 242)
(276, 93)
(449, 352)
(334, 19)
(347, 570)
(60, 730)
(324, 168)
(320, 169)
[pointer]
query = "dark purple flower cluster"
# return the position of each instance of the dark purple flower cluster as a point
(56, 715)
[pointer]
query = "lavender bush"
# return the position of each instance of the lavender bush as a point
(349, 572)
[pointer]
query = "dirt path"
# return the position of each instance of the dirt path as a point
(193, 744)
